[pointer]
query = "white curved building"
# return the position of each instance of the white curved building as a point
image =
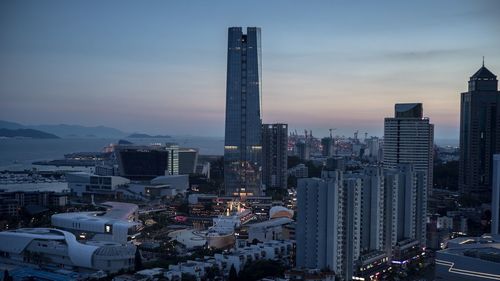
(54, 247)
(118, 223)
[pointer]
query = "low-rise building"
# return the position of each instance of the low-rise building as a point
(56, 248)
(271, 250)
(469, 258)
(118, 223)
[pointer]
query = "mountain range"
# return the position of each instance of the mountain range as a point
(65, 130)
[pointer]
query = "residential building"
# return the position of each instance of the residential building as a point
(274, 155)
(409, 139)
(327, 146)
(243, 148)
(12, 202)
(479, 134)
(328, 223)
(299, 171)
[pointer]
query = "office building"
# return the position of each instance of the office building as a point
(274, 155)
(242, 148)
(173, 159)
(142, 162)
(54, 248)
(479, 133)
(84, 184)
(495, 201)
(188, 160)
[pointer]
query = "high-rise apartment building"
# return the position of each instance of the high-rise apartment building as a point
(274, 155)
(242, 148)
(479, 133)
(328, 223)
(409, 139)
(405, 206)
(327, 145)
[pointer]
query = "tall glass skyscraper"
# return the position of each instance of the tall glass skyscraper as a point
(243, 149)
(479, 134)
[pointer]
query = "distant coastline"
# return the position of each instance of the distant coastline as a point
(26, 133)
(146, 136)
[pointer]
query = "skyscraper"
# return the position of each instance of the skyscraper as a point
(409, 139)
(479, 133)
(274, 155)
(340, 222)
(173, 158)
(242, 148)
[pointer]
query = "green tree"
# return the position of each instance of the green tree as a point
(138, 259)
(260, 269)
(6, 276)
(233, 275)
(188, 277)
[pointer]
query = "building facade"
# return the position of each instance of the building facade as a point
(495, 201)
(409, 139)
(479, 133)
(328, 223)
(48, 247)
(242, 147)
(274, 155)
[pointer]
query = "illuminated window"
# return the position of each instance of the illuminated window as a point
(108, 228)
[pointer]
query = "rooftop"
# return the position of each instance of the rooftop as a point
(483, 72)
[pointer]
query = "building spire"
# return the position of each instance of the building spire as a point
(483, 61)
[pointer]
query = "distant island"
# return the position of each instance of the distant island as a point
(146, 136)
(26, 133)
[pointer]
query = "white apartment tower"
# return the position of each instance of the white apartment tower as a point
(409, 139)
(328, 223)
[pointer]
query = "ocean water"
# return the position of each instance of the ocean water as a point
(18, 154)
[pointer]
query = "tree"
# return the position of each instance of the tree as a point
(138, 259)
(261, 268)
(6, 276)
(233, 275)
(212, 272)
(188, 277)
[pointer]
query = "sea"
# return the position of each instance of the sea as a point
(19, 154)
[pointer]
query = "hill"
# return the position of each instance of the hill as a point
(26, 133)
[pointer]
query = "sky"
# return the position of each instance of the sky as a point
(160, 66)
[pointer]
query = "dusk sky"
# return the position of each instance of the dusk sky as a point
(160, 66)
